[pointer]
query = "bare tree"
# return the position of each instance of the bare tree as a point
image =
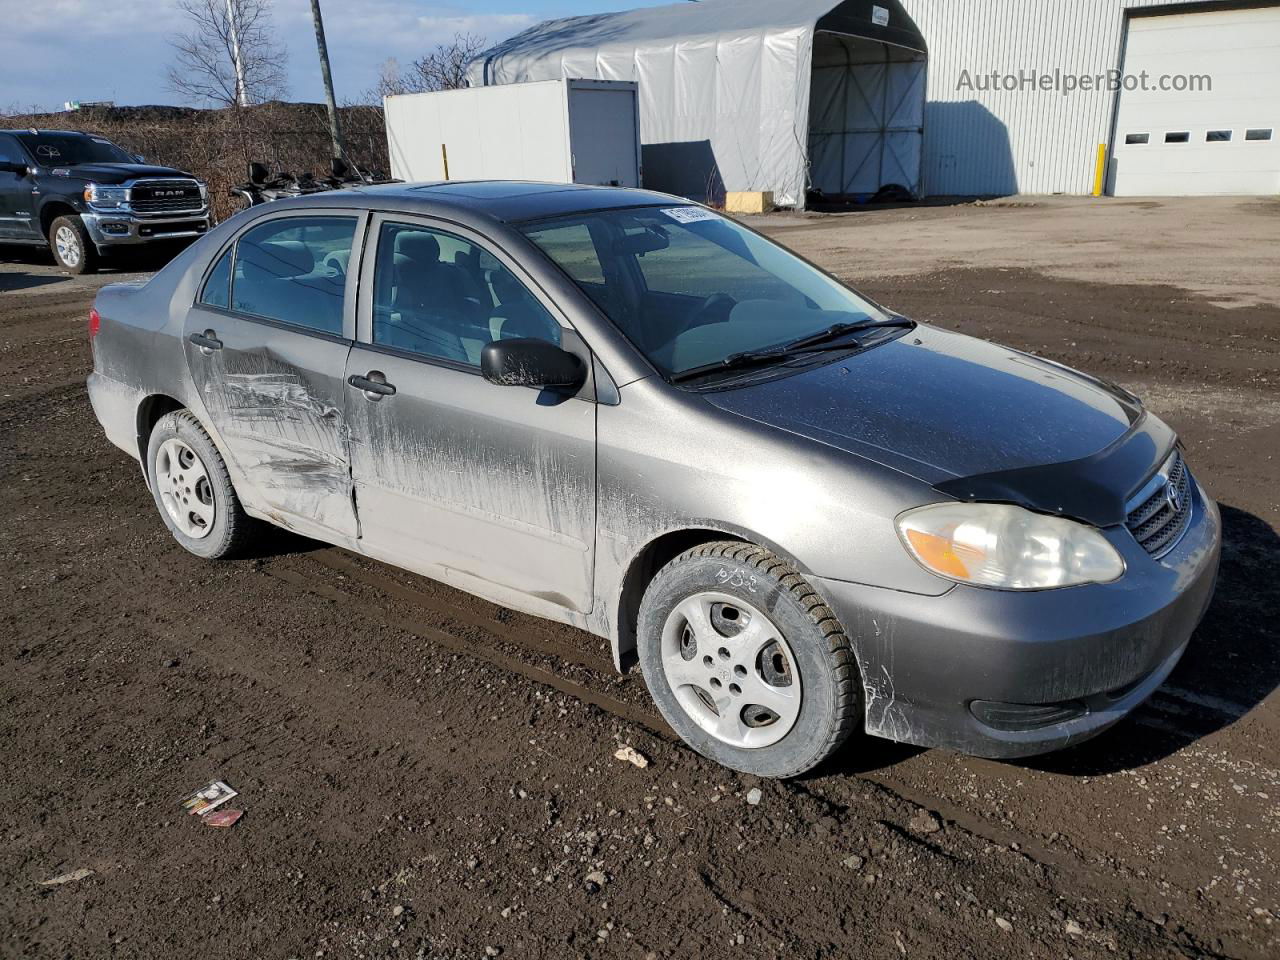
(228, 57)
(444, 68)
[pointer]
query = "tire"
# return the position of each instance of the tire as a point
(205, 517)
(749, 607)
(71, 246)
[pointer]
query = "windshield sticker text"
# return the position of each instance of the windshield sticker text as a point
(689, 214)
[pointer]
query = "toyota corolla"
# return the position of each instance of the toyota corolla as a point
(801, 513)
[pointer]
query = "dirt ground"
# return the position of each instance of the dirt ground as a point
(427, 775)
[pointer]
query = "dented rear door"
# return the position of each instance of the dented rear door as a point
(487, 487)
(267, 354)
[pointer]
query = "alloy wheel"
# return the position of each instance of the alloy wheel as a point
(67, 242)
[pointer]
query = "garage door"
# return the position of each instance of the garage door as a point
(1196, 137)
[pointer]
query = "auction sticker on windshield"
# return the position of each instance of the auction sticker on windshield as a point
(689, 214)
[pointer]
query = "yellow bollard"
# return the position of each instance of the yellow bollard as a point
(1100, 172)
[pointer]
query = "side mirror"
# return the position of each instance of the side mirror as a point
(139, 158)
(338, 168)
(13, 166)
(531, 363)
(258, 173)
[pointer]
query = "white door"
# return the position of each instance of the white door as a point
(1219, 133)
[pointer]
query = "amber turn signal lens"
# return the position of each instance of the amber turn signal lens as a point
(938, 553)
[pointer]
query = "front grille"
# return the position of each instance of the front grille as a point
(1160, 519)
(165, 196)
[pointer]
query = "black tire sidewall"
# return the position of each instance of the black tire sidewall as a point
(220, 540)
(88, 253)
(822, 692)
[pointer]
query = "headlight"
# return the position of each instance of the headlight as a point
(204, 189)
(106, 198)
(1006, 547)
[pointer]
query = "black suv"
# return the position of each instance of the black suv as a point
(84, 197)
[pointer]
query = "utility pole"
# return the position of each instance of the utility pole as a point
(242, 95)
(335, 129)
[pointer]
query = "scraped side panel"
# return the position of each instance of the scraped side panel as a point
(276, 401)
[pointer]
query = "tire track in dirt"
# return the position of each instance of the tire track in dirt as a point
(648, 721)
(533, 636)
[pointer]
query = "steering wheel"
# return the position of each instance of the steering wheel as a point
(714, 309)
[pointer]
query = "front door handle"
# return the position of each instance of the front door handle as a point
(207, 342)
(373, 384)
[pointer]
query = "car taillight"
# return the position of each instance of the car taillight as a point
(95, 322)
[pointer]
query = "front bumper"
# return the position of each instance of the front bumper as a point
(114, 229)
(1079, 659)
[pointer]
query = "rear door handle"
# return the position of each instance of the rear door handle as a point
(374, 384)
(207, 342)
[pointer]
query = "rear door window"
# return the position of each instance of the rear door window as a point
(293, 270)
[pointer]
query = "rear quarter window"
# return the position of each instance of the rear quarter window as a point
(217, 287)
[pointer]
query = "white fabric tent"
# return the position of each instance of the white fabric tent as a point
(749, 94)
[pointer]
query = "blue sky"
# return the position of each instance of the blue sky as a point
(57, 50)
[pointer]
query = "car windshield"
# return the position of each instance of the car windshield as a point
(69, 149)
(691, 288)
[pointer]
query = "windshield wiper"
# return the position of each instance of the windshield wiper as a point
(823, 341)
(823, 337)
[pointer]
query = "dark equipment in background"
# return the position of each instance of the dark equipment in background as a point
(263, 187)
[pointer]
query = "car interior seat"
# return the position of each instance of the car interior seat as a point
(415, 311)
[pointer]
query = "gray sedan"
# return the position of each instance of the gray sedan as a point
(802, 514)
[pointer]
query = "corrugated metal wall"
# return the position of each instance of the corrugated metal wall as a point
(1002, 142)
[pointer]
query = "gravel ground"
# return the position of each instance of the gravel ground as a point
(428, 775)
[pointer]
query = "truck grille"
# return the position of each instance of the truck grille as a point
(151, 197)
(1161, 516)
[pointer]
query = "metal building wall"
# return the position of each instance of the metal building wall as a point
(1002, 142)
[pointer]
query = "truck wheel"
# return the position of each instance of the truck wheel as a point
(193, 490)
(746, 662)
(71, 246)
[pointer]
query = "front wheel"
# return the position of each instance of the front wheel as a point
(746, 662)
(71, 245)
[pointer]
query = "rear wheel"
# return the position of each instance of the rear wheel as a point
(193, 490)
(746, 662)
(71, 246)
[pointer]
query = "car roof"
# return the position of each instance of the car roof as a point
(39, 132)
(511, 201)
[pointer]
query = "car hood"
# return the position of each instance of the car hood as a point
(939, 406)
(112, 173)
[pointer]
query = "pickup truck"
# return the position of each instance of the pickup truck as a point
(86, 197)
